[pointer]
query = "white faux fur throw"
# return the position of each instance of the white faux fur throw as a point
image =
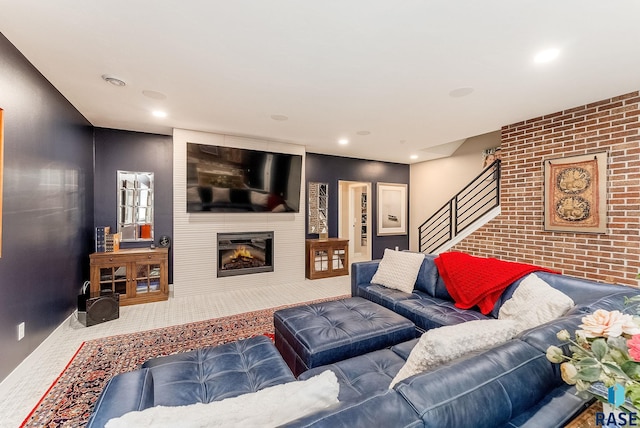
(269, 407)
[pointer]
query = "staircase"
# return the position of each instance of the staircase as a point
(477, 203)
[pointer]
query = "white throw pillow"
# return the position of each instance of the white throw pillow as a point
(220, 195)
(269, 407)
(398, 270)
(442, 344)
(534, 302)
(260, 199)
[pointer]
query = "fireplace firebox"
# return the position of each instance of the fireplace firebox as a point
(244, 253)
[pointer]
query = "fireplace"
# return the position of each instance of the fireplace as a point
(244, 253)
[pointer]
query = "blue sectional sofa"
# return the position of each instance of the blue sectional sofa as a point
(510, 385)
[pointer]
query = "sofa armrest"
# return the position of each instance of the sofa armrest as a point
(124, 393)
(361, 273)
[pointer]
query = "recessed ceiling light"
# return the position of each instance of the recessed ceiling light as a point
(113, 80)
(154, 94)
(343, 141)
(159, 113)
(363, 132)
(279, 117)
(460, 92)
(414, 156)
(546, 55)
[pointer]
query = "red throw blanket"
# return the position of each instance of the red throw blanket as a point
(478, 281)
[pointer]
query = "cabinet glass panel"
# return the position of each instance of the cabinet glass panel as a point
(135, 205)
(321, 258)
(113, 279)
(338, 259)
(147, 278)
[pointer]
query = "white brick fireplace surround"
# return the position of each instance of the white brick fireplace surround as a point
(194, 241)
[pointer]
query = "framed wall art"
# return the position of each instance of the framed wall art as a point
(575, 194)
(392, 209)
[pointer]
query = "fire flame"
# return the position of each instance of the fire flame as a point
(241, 252)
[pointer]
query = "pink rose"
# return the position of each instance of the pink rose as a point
(634, 347)
(603, 323)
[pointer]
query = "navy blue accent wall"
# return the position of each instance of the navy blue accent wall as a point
(331, 169)
(47, 207)
(134, 151)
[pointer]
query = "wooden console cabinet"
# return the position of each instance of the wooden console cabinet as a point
(326, 257)
(139, 275)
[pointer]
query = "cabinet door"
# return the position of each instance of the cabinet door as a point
(339, 259)
(113, 278)
(147, 277)
(320, 260)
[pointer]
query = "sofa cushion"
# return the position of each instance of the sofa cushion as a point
(386, 409)
(126, 392)
(583, 291)
(427, 276)
(485, 390)
(383, 296)
(450, 342)
(534, 303)
(431, 312)
(556, 409)
(206, 194)
(364, 375)
(398, 270)
(404, 349)
(269, 407)
(545, 335)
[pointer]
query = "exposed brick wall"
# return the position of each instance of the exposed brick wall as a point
(518, 234)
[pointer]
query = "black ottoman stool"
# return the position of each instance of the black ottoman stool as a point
(309, 336)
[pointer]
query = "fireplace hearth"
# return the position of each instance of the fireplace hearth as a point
(244, 253)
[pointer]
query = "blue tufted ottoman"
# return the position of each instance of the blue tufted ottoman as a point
(309, 336)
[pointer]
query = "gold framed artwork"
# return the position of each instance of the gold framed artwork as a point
(392, 209)
(575, 194)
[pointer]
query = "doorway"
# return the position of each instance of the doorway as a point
(354, 218)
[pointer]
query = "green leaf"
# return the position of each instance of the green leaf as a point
(633, 393)
(590, 374)
(618, 357)
(632, 369)
(599, 348)
(615, 369)
(587, 362)
(619, 343)
(578, 351)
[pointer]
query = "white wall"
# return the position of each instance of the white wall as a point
(434, 182)
(194, 243)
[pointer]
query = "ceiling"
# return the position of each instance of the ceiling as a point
(420, 76)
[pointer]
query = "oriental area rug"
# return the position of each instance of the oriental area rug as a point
(69, 401)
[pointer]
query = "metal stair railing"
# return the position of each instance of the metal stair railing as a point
(475, 200)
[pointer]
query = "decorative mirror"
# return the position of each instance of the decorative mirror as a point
(135, 205)
(318, 208)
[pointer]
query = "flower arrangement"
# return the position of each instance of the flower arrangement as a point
(606, 349)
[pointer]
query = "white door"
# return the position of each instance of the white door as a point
(354, 218)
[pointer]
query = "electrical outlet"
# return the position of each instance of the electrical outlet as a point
(21, 331)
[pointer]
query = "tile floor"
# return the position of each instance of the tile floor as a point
(24, 387)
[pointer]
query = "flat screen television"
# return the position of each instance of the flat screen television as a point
(230, 179)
